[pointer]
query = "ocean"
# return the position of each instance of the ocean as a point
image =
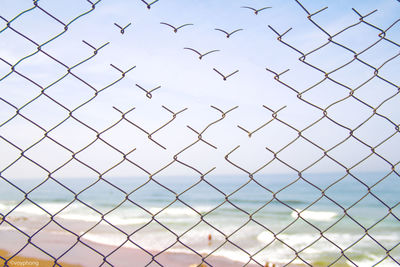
(322, 218)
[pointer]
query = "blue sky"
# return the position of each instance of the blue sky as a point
(187, 82)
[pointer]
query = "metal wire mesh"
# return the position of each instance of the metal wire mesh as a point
(57, 116)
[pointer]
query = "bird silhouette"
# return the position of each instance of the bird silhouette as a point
(122, 28)
(228, 34)
(223, 76)
(148, 92)
(256, 10)
(176, 28)
(200, 54)
(149, 4)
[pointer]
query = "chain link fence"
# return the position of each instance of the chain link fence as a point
(124, 145)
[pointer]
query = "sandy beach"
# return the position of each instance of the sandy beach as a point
(82, 256)
(123, 257)
(64, 247)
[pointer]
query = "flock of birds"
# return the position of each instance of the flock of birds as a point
(200, 55)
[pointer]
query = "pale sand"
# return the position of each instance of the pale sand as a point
(57, 242)
(56, 245)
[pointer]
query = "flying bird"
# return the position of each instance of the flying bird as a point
(200, 54)
(122, 28)
(228, 34)
(256, 10)
(149, 4)
(223, 76)
(148, 92)
(176, 28)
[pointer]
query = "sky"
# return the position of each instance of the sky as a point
(50, 137)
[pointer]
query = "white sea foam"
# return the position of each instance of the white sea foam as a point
(77, 212)
(3, 207)
(300, 241)
(31, 209)
(132, 217)
(127, 221)
(177, 212)
(277, 253)
(346, 239)
(121, 217)
(116, 220)
(151, 242)
(323, 216)
(265, 237)
(53, 207)
(373, 260)
(6, 207)
(105, 239)
(80, 217)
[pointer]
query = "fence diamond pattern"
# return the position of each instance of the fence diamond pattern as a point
(267, 135)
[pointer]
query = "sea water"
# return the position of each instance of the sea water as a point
(318, 218)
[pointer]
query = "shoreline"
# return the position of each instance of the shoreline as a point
(123, 257)
(57, 242)
(65, 247)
